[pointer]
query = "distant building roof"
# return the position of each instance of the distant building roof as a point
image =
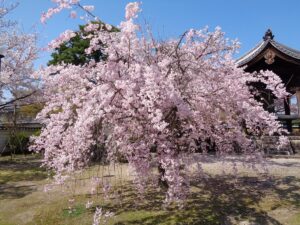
(268, 42)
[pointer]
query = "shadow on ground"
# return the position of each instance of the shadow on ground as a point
(14, 191)
(217, 201)
(17, 177)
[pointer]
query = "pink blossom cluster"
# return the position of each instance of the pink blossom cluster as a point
(60, 5)
(156, 95)
(132, 10)
(17, 67)
(88, 8)
(65, 4)
(63, 38)
(91, 27)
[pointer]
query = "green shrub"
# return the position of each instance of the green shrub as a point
(18, 142)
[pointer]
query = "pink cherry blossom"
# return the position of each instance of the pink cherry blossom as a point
(169, 96)
(63, 38)
(88, 8)
(132, 10)
(73, 14)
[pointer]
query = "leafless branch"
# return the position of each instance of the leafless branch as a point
(16, 99)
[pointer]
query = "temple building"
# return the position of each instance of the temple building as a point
(285, 62)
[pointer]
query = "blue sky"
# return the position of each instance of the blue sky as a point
(246, 20)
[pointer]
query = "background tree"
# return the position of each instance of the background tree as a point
(20, 51)
(17, 85)
(74, 50)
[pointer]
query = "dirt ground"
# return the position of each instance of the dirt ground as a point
(252, 197)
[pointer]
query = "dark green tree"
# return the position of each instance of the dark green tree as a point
(73, 51)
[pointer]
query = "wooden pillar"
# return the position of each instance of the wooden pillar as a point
(298, 101)
(287, 111)
(270, 106)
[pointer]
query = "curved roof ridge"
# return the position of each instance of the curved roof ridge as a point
(252, 53)
(268, 38)
(285, 49)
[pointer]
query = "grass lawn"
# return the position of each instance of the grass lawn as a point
(218, 199)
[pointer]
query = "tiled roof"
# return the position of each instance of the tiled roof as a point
(267, 41)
